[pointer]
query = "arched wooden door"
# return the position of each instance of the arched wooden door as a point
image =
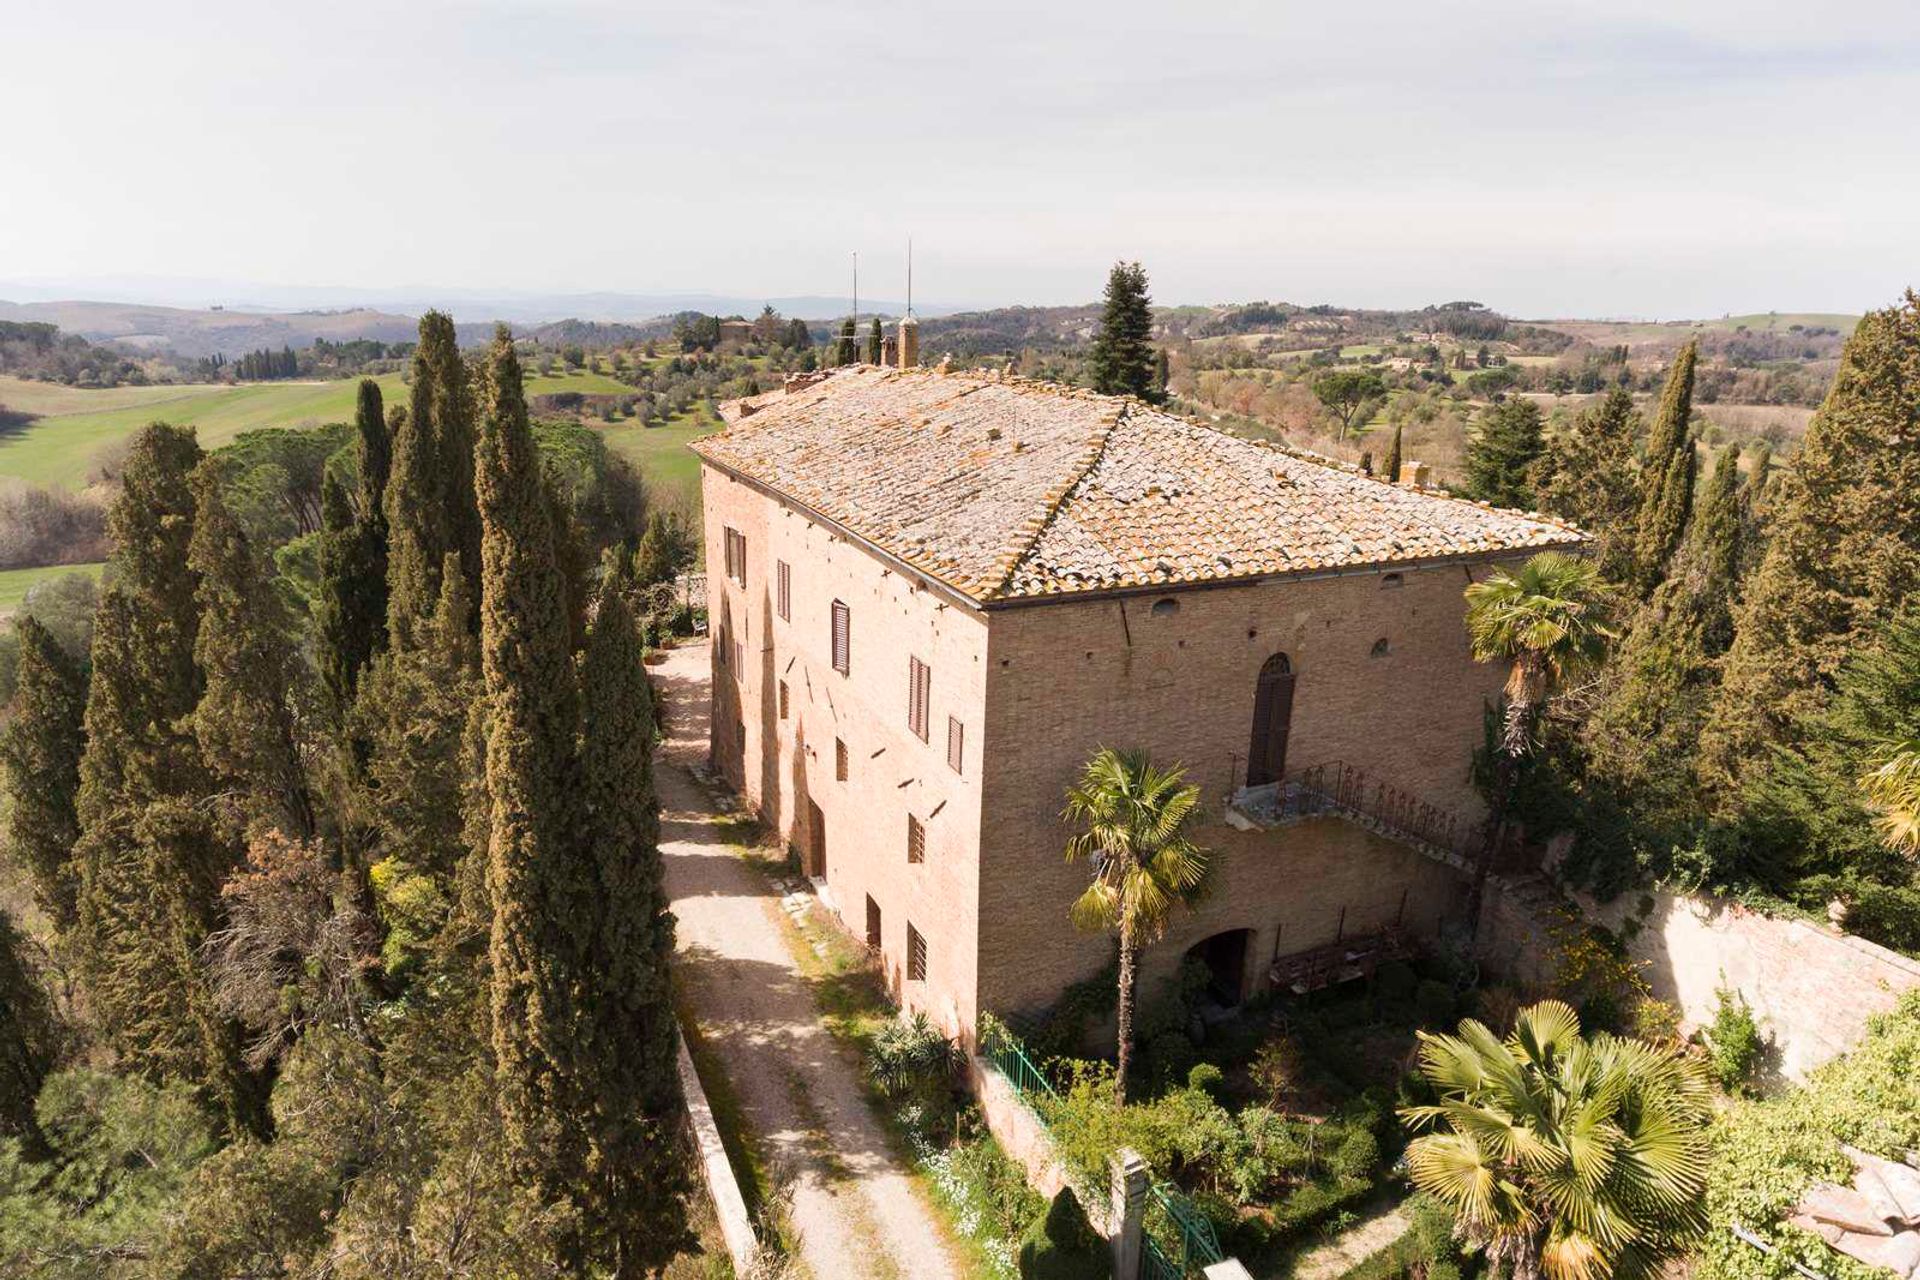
(1272, 718)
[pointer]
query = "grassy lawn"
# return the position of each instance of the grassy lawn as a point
(660, 452)
(62, 445)
(15, 583)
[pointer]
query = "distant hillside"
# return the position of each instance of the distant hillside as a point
(193, 334)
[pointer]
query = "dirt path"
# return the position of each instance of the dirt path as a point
(1354, 1246)
(853, 1205)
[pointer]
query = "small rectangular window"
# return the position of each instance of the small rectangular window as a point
(740, 659)
(839, 760)
(919, 689)
(842, 638)
(783, 590)
(873, 923)
(916, 955)
(783, 699)
(916, 840)
(736, 556)
(956, 744)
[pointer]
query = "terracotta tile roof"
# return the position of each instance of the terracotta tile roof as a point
(1006, 488)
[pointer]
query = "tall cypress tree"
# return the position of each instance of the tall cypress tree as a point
(149, 861)
(1122, 360)
(27, 1036)
(639, 1183)
(538, 879)
(40, 753)
(1655, 534)
(1502, 452)
(1391, 469)
(350, 608)
(244, 721)
(1843, 548)
(1658, 533)
(876, 342)
(1588, 475)
(373, 448)
(429, 499)
(847, 349)
(1643, 737)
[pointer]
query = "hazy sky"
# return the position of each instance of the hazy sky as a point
(1678, 157)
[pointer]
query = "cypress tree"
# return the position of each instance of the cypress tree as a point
(412, 712)
(875, 342)
(846, 350)
(27, 1036)
(1502, 451)
(1587, 474)
(350, 608)
(373, 448)
(244, 720)
(148, 860)
(1122, 360)
(1657, 535)
(1391, 470)
(538, 879)
(639, 1183)
(429, 500)
(1843, 545)
(40, 753)
(1643, 737)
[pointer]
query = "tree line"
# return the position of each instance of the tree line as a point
(1759, 715)
(355, 948)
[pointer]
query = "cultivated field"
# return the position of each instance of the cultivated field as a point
(15, 583)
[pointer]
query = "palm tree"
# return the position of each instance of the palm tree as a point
(1893, 787)
(1565, 1157)
(1132, 815)
(1551, 620)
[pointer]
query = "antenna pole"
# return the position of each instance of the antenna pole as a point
(909, 275)
(856, 291)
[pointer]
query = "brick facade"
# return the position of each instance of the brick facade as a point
(1036, 687)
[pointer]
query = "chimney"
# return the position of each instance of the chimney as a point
(1417, 474)
(909, 342)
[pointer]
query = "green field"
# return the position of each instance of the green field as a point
(62, 445)
(660, 452)
(15, 583)
(592, 384)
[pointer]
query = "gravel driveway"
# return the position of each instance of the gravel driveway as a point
(853, 1206)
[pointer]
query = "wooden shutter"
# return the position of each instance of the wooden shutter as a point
(842, 638)
(919, 694)
(916, 840)
(956, 744)
(916, 955)
(839, 760)
(783, 590)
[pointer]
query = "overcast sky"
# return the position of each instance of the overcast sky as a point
(1634, 157)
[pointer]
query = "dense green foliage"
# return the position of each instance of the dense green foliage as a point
(1587, 473)
(1766, 1154)
(1121, 361)
(1062, 1245)
(40, 750)
(1501, 453)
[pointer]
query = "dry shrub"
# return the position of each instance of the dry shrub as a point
(49, 526)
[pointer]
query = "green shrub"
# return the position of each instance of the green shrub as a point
(1061, 1245)
(1207, 1078)
(1277, 1070)
(1356, 1155)
(1733, 1041)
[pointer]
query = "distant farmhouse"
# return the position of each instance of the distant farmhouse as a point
(933, 595)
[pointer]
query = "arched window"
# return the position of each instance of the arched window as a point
(1272, 720)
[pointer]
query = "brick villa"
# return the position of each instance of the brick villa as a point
(934, 594)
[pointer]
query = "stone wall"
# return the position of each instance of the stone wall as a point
(1812, 987)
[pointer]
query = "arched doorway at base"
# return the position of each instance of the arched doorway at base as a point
(1225, 957)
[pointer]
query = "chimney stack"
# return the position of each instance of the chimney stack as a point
(909, 342)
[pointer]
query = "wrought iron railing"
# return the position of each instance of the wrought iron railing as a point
(1199, 1247)
(1004, 1052)
(1349, 791)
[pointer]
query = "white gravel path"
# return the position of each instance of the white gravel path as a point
(852, 1204)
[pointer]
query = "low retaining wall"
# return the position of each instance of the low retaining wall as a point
(723, 1189)
(1811, 987)
(1019, 1132)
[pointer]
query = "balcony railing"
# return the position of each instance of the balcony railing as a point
(1336, 789)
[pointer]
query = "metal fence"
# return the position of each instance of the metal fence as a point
(1190, 1243)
